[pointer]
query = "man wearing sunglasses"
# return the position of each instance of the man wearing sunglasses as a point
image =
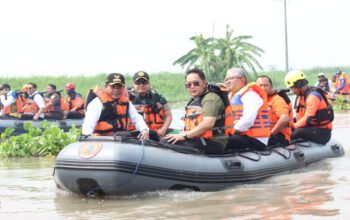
(34, 104)
(109, 110)
(250, 112)
(153, 107)
(207, 119)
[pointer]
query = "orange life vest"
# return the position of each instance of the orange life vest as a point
(114, 115)
(287, 132)
(345, 90)
(150, 108)
(261, 126)
(17, 106)
(324, 114)
(58, 104)
(75, 103)
(30, 107)
(194, 116)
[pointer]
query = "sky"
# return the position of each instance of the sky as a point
(74, 37)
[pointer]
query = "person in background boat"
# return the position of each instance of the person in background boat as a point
(34, 104)
(342, 85)
(8, 100)
(280, 112)
(53, 103)
(250, 112)
(109, 109)
(323, 82)
(152, 106)
(74, 103)
(208, 117)
(314, 115)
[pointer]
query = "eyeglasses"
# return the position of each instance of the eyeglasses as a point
(194, 83)
(143, 82)
(232, 78)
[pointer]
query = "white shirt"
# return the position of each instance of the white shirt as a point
(251, 104)
(93, 113)
(39, 100)
(8, 100)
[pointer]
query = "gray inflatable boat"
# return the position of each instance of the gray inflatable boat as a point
(17, 124)
(121, 166)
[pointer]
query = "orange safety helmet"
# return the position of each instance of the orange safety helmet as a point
(69, 86)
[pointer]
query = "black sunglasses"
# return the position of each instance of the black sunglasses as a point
(139, 82)
(194, 83)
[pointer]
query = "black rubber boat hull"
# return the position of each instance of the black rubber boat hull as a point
(117, 168)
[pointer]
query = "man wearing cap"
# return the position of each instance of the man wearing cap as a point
(109, 110)
(323, 83)
(74, 103)
(153, 107)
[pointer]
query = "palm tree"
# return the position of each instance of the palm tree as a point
(216, 56)
(202, 56)
(235, 51)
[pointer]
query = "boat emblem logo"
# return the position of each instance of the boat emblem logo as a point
(89, 150)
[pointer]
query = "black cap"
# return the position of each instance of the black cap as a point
(4, 86)
(141, 75)
(115, 78)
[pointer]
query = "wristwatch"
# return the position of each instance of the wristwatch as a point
(185, 135)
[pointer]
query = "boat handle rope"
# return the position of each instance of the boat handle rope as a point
(251, 158)
(93, 191)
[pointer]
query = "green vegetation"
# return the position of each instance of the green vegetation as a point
(48, 141)
(216, 55)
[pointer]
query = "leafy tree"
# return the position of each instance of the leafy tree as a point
(216, 56)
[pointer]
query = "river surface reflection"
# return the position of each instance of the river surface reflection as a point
(319, 191)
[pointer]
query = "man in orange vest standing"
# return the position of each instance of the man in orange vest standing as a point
(314, 115)
(208, 117)
(280, 113)
(109, 109)
(250, 112)
(152, 106)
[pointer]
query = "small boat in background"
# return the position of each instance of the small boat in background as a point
(17, 124)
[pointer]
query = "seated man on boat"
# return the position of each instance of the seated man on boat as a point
(280, 112)
(152, 106)
(74, 103)
(323, 82)
(314, 115)
(208, 117)
(53, 103)
(34, 104)
(8, 100)
(342, 86)
(250, 112)
(109, 110)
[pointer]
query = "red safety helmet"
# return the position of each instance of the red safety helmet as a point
(69, 86)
